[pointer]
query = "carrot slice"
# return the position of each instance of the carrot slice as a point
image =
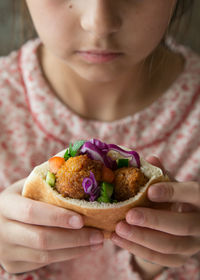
(107, 175)
(55, 163)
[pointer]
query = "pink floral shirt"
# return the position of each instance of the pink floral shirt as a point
(35, 125)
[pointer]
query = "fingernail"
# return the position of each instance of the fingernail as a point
(135, 217)
(75, 222)
(96, 247)
(123, 230)
(96, 238)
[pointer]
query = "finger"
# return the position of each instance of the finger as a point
(159, 241)
(49, 238)
(19, 267)
(182, 224)
(19, 253)
(187, 192)
(169, 260)
(16, 207)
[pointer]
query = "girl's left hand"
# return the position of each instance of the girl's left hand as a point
(164, 237)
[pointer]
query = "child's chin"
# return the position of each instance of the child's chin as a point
(96, 75)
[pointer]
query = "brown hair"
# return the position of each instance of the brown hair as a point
(181, 20)
(181, 8)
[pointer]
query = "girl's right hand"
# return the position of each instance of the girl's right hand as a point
(34, 234)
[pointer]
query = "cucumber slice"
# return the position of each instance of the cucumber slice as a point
(107, 189)
(103, 199)
(122, 162)
(106, 193)
(50, 179)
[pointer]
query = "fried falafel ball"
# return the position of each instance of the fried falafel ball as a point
(70, 176)
(128, 181)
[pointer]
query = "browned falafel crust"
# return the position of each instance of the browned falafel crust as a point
(70, 176)
(128, 181)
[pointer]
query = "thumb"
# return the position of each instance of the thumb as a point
(154, 160)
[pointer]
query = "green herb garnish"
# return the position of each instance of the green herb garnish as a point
(74, 149)
(67, 155)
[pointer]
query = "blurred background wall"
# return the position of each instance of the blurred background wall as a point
(12, 34)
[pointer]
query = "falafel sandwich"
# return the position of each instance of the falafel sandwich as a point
(98, 180)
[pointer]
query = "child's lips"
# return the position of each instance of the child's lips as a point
(95, 56)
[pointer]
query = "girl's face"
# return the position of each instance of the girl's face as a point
(101, 39)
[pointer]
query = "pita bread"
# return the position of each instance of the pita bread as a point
(103, 216)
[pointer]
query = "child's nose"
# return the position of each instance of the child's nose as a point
(101, 18)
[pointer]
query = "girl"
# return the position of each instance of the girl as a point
(103, 69)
